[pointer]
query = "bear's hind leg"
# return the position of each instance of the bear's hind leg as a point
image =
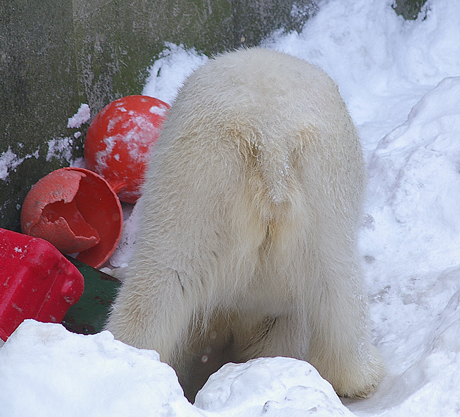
(142, 315)
(340, 347)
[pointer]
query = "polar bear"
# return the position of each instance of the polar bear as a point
(247, 242)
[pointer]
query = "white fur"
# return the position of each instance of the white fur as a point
(247, 236)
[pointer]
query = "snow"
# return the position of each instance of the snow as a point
(45, 369)
(269, 386)
(170, 70)
(82, 116)
(60, 148)
(73, 375)
(9, 161)
(401, 82)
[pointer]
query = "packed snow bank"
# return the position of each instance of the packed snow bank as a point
(411, 246)
(46, 370)
(414, 185)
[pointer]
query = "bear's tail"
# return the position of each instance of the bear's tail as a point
(273, 173)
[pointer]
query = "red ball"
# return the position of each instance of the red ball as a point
(118, 142)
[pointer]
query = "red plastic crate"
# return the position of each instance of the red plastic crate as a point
(36, 282)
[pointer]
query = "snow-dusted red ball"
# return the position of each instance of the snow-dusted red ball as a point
(118, 142)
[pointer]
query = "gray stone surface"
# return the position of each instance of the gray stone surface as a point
(38, 91)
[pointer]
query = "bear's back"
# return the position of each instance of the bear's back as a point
(271, 107)
(271, 89)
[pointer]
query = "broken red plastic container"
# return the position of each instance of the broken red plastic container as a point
(119, 139)
(77, 211)
(36, 282)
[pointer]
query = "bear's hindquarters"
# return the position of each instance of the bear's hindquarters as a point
(249, 213)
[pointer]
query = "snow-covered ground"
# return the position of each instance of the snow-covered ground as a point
(401, 82)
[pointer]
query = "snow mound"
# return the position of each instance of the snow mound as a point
(45, 369)
(270, 387)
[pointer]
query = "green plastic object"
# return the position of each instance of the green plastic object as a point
(89, 315)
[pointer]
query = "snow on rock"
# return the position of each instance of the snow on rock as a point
(9, 161)
(82, 116)
(60, 148)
